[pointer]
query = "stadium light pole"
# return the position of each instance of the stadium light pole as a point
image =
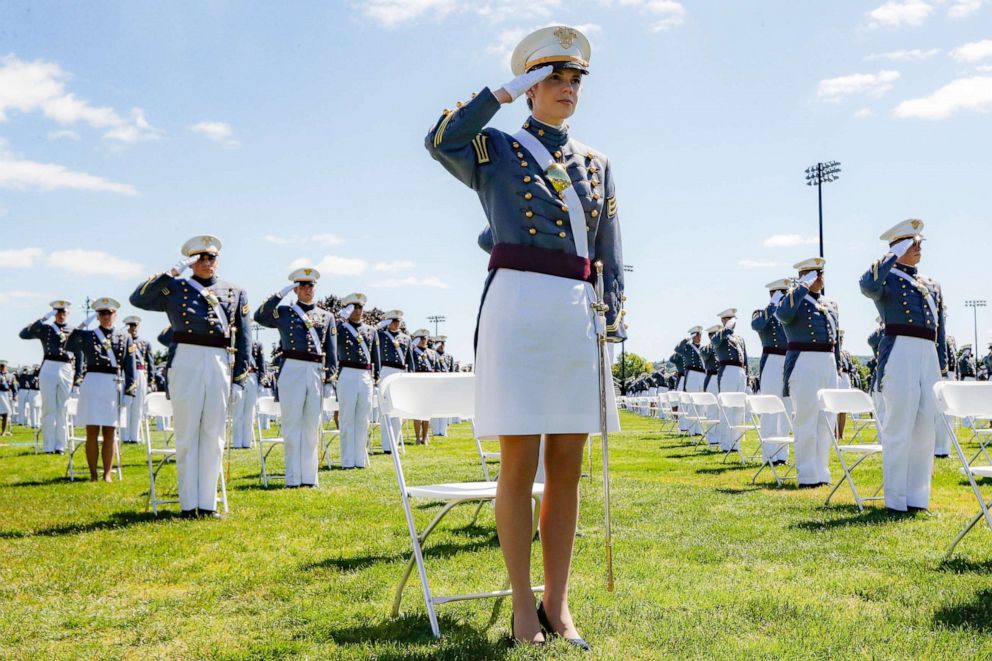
(974, 305)
(627, 268)
(436, 319)
(817, 175)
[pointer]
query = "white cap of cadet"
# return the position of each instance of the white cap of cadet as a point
(558, 44)
(907, 229)
(205, 243)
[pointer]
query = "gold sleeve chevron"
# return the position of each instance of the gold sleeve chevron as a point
(481, 144)
(611, 206)
(439, 134)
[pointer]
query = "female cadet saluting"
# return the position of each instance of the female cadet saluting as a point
(552, 211)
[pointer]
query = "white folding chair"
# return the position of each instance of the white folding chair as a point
(76, 443)
(689, 414)
(704, 404)
(762, 405)
(735, 401)
(160, 407)
(833, 402)
(421, 397)
(157, 405)
(270, 407)
(485, 456)
(963, 400)
(328, 406)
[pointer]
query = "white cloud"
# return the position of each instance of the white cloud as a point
(15, 296)
(333, 265)
(872, 84)
(973, 52)
(984, 68)
(218, 132)
(64, 134)
(912, 55)
(964, 8)
(392, 267)
(393, 13)
(788, 240)
(429, 281)
(19, 258)
(758, 264)
(93, 262)
(293, 239)
(863, 113)
(19, 174)
(962, 94)
(39, 86)
(900, 12)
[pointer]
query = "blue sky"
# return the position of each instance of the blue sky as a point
(295, 132)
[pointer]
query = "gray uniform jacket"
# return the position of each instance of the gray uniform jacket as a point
(294, 333)
(97, 354)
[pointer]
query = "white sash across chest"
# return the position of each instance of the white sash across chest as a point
(576, 215)
(396, 345)
(826, 313)
(309, 325)
(103, 343)
(358, 338)
(928, 297)
(218, 309)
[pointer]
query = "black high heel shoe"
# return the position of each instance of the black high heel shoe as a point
(549, 631)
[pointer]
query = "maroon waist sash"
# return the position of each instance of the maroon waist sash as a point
(775, 351)
(811, 346)
(539, 260)
(921, 332)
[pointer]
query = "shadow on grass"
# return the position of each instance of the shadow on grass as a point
(870, 517)
(716, 470)
(115, 520)
(975, 614)
(431, 552)
(965, 566)
(412, 633)
(61, 479)
(737, 492)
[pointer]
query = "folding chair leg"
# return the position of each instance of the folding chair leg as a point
(964, 531)
(850, 480)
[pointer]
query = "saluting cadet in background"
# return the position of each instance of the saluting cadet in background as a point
(21, 377)
(109, 355)
(439, 426)
(209, 318)
(394, 358)
(810, 323)
(358, 361)
(710, 384)
(55, 379)
(8, 389)
(420, 361)
(967, 367)
(731, 356)
(942, 438)
(771, 368)
(912, 357)
(309, 350)
(243, 415)
(695, 372)
(144, 364)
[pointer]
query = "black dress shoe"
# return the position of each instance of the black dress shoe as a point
(780, 462)
(210, 514)
(188, 514)
(550, 632)
(941, 456)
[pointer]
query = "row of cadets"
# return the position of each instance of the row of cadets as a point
(731, 357)
(711, 382)
(56, 375)
(395, 347)
(358, 359)
(8, 390)
(209, 319)
(109, 354)
(421, 361)
(144, 365)
(307, 339)
(912, 357)
(810, 321)
(771, 367)
(695, 372)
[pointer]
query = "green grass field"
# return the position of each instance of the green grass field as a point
(708, 566)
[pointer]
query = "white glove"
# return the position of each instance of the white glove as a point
(730, 324)
(49, 315)
(525, 81)
(900, 248)
(182, 265)
(808, 279)
(777, 297)
(285, 290)
(88, 320)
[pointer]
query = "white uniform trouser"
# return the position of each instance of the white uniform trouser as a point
(814, 371)
(55, 380)
(396, 424)
(774, 425)
(713, 412)
(135, 411)
(35, 411)
(733, 380)
(942, 439)
(199, 386)
(300, 395)
(243, 416)
(910, 413)
(693, 383)
(22, 403)
(355, 409)
(264, 421)
(439, 426)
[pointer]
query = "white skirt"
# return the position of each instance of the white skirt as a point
(98, 401)
(6, 403)
(536, 365)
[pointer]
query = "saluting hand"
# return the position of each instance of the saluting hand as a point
(777, 297)
(522, 83)
(808, 279)
(48, 315)
(901, 248)
(285, 290)
(182, 265)
(87, 321)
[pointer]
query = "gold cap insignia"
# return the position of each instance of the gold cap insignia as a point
(307, 271)
(565, 36)
(916, 224)
(205, 240)
(819, 262)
